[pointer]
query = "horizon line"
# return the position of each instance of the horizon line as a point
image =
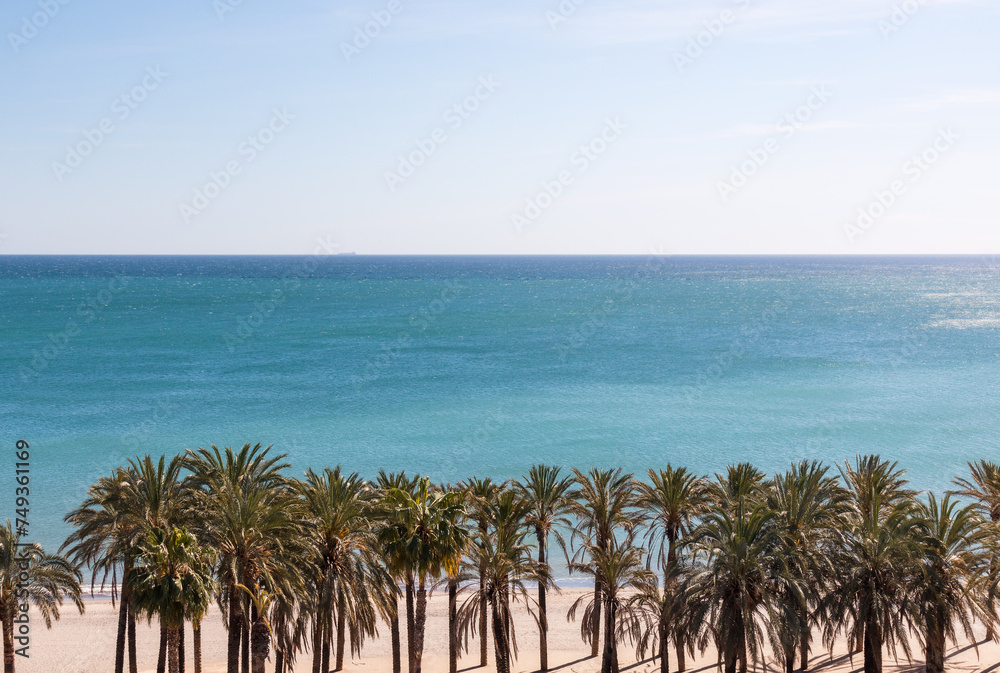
(488, 254)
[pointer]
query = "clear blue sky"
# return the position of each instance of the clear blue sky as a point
(890, 85)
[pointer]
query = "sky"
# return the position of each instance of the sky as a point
(500, 127)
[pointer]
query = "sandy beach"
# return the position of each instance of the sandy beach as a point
(85, 644)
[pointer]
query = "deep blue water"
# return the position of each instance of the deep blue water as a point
(484, 365)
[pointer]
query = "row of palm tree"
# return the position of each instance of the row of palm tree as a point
(680, 563)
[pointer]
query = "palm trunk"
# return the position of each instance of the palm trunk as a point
(419, 620)
(133, 660)
(790, 658)
(736, 654)
(595, 624)
(483, 616)
(668, 586)
(327, 626)
(804, 651)
(180, 649)
(122, 629)
(245, 641)
(452, 626)
(173, 636)
(609, 660)
(411, 643)
(730, 660)
(196, 637)
(161, 660)
(341, 627)
(8, 636)
(317, 644)
(995, 519)
(873, 649)
(279, 661)
(500, 639)
(935, 647)
(664, 643)
(260, 645)
(235, 626)
(507, 629)
(397, 664)
(543, 621)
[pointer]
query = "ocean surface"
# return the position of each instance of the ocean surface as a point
(459, 366)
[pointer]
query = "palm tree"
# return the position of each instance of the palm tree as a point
(253, 519)
(106, 531)
(731, 583)
(29, 575)
(290, 616)
(875, 563)
(424, 531)
(809, 507)
(603, 504)
(876, 485)
(502, 558)
(672, 500)
(481, 493)
(350, 582)
(742, 484)
(172, 579)
(663, 613)
(397, 569)
(545, 493)
(620, 568)
(160, 498)
(983, 487)
(113, 520)
(452, 582)
(953, 569)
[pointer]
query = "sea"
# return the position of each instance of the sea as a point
(458, 366)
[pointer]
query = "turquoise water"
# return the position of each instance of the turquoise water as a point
(460, 366)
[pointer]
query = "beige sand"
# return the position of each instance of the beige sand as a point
(85, 644)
